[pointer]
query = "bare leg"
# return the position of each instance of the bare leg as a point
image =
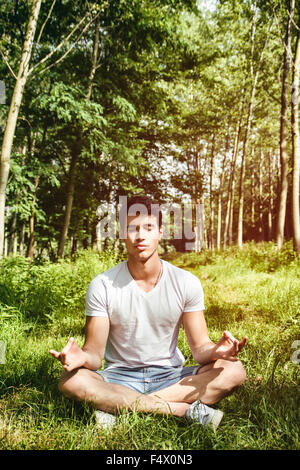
(87, 386)
(213, 382)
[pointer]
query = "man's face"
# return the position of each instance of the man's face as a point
(143, 236)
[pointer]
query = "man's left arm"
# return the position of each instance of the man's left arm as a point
(203, 349)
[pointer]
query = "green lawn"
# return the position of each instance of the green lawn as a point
(255, 292)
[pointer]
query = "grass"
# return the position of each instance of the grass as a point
(253, 292)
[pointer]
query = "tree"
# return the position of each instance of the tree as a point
(296, 147)
(284, 156)
(14, 111)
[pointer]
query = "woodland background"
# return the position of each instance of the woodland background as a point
(189, 102)
(180, 99)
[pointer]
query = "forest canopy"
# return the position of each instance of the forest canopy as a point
(183, 100)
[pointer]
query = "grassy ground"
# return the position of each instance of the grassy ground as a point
(254, 292)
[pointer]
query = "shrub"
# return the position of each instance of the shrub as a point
(41, 291)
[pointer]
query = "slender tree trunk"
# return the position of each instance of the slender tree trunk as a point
(254, 79)
(284, 158)
(30, 251)
(243, 163)
(260, 190)
(230, 223)
(271, 196)
(296, 148)
(89, 94)
(211, 201)
(70, 196)
(12, 234)
(94, 59)
(76, 152)
(229, 208)
(85, 241)
(219, 223)
(252, 201)
(21, 239)
(74, 246)
(14, 112)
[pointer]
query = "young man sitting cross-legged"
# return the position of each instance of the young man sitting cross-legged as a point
(133, 315)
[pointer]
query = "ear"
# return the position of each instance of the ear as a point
(160, 233)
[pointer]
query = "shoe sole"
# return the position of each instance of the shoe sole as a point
(216, 419)
(105, 420)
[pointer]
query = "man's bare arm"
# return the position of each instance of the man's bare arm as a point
(203, 349)
(91, 354)
(197, 335)
(96, 334)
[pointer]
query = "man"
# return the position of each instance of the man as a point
(133, 314)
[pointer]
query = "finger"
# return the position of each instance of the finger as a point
(68, 346)
(236, 346)
(54, 353)
(243, 342)
(229, 336)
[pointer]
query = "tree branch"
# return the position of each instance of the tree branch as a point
(44, 24)
(70, 48)
(7, 63)
(59, 45)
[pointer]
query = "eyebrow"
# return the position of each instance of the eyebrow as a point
(137, 225)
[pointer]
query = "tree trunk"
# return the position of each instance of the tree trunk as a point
(13, 234)
(30, 250)
(21, 240)
(14, 111)
(85, 241)
(284, 158)
(219, 224)
(260, 199)
(254, 78)
(69, 202)
(296, 148)
(76, 152)
(211, 202)
(271, 196)
(252, 200)
(230, 223)
(94, 59)
(242, 171)
(229, 208)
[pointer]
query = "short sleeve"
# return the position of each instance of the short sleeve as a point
(96, 299)
(194, 298)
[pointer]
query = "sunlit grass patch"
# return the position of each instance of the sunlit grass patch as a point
(240, 296)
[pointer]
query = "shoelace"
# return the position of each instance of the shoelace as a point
(199, 412)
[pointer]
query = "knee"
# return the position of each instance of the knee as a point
(234, 374)
(69, 383)
(231, 376)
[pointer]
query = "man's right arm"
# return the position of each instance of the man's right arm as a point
(96, 334)
(91, 354)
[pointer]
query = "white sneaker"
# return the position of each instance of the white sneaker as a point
(105, 420)
(203, 414)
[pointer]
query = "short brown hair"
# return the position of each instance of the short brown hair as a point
(150, 204)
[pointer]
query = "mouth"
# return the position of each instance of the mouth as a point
(141, 246)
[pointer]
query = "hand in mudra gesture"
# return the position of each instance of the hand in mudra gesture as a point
(71, 356)
(228, 347)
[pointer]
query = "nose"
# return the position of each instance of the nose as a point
(140, 234)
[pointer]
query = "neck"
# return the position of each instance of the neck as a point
(144, 269)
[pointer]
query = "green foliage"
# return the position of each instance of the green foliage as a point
(263, 414)
(47, 291)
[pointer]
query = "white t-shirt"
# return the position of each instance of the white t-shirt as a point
(144, 326)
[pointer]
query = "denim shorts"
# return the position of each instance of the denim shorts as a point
(147, 379)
